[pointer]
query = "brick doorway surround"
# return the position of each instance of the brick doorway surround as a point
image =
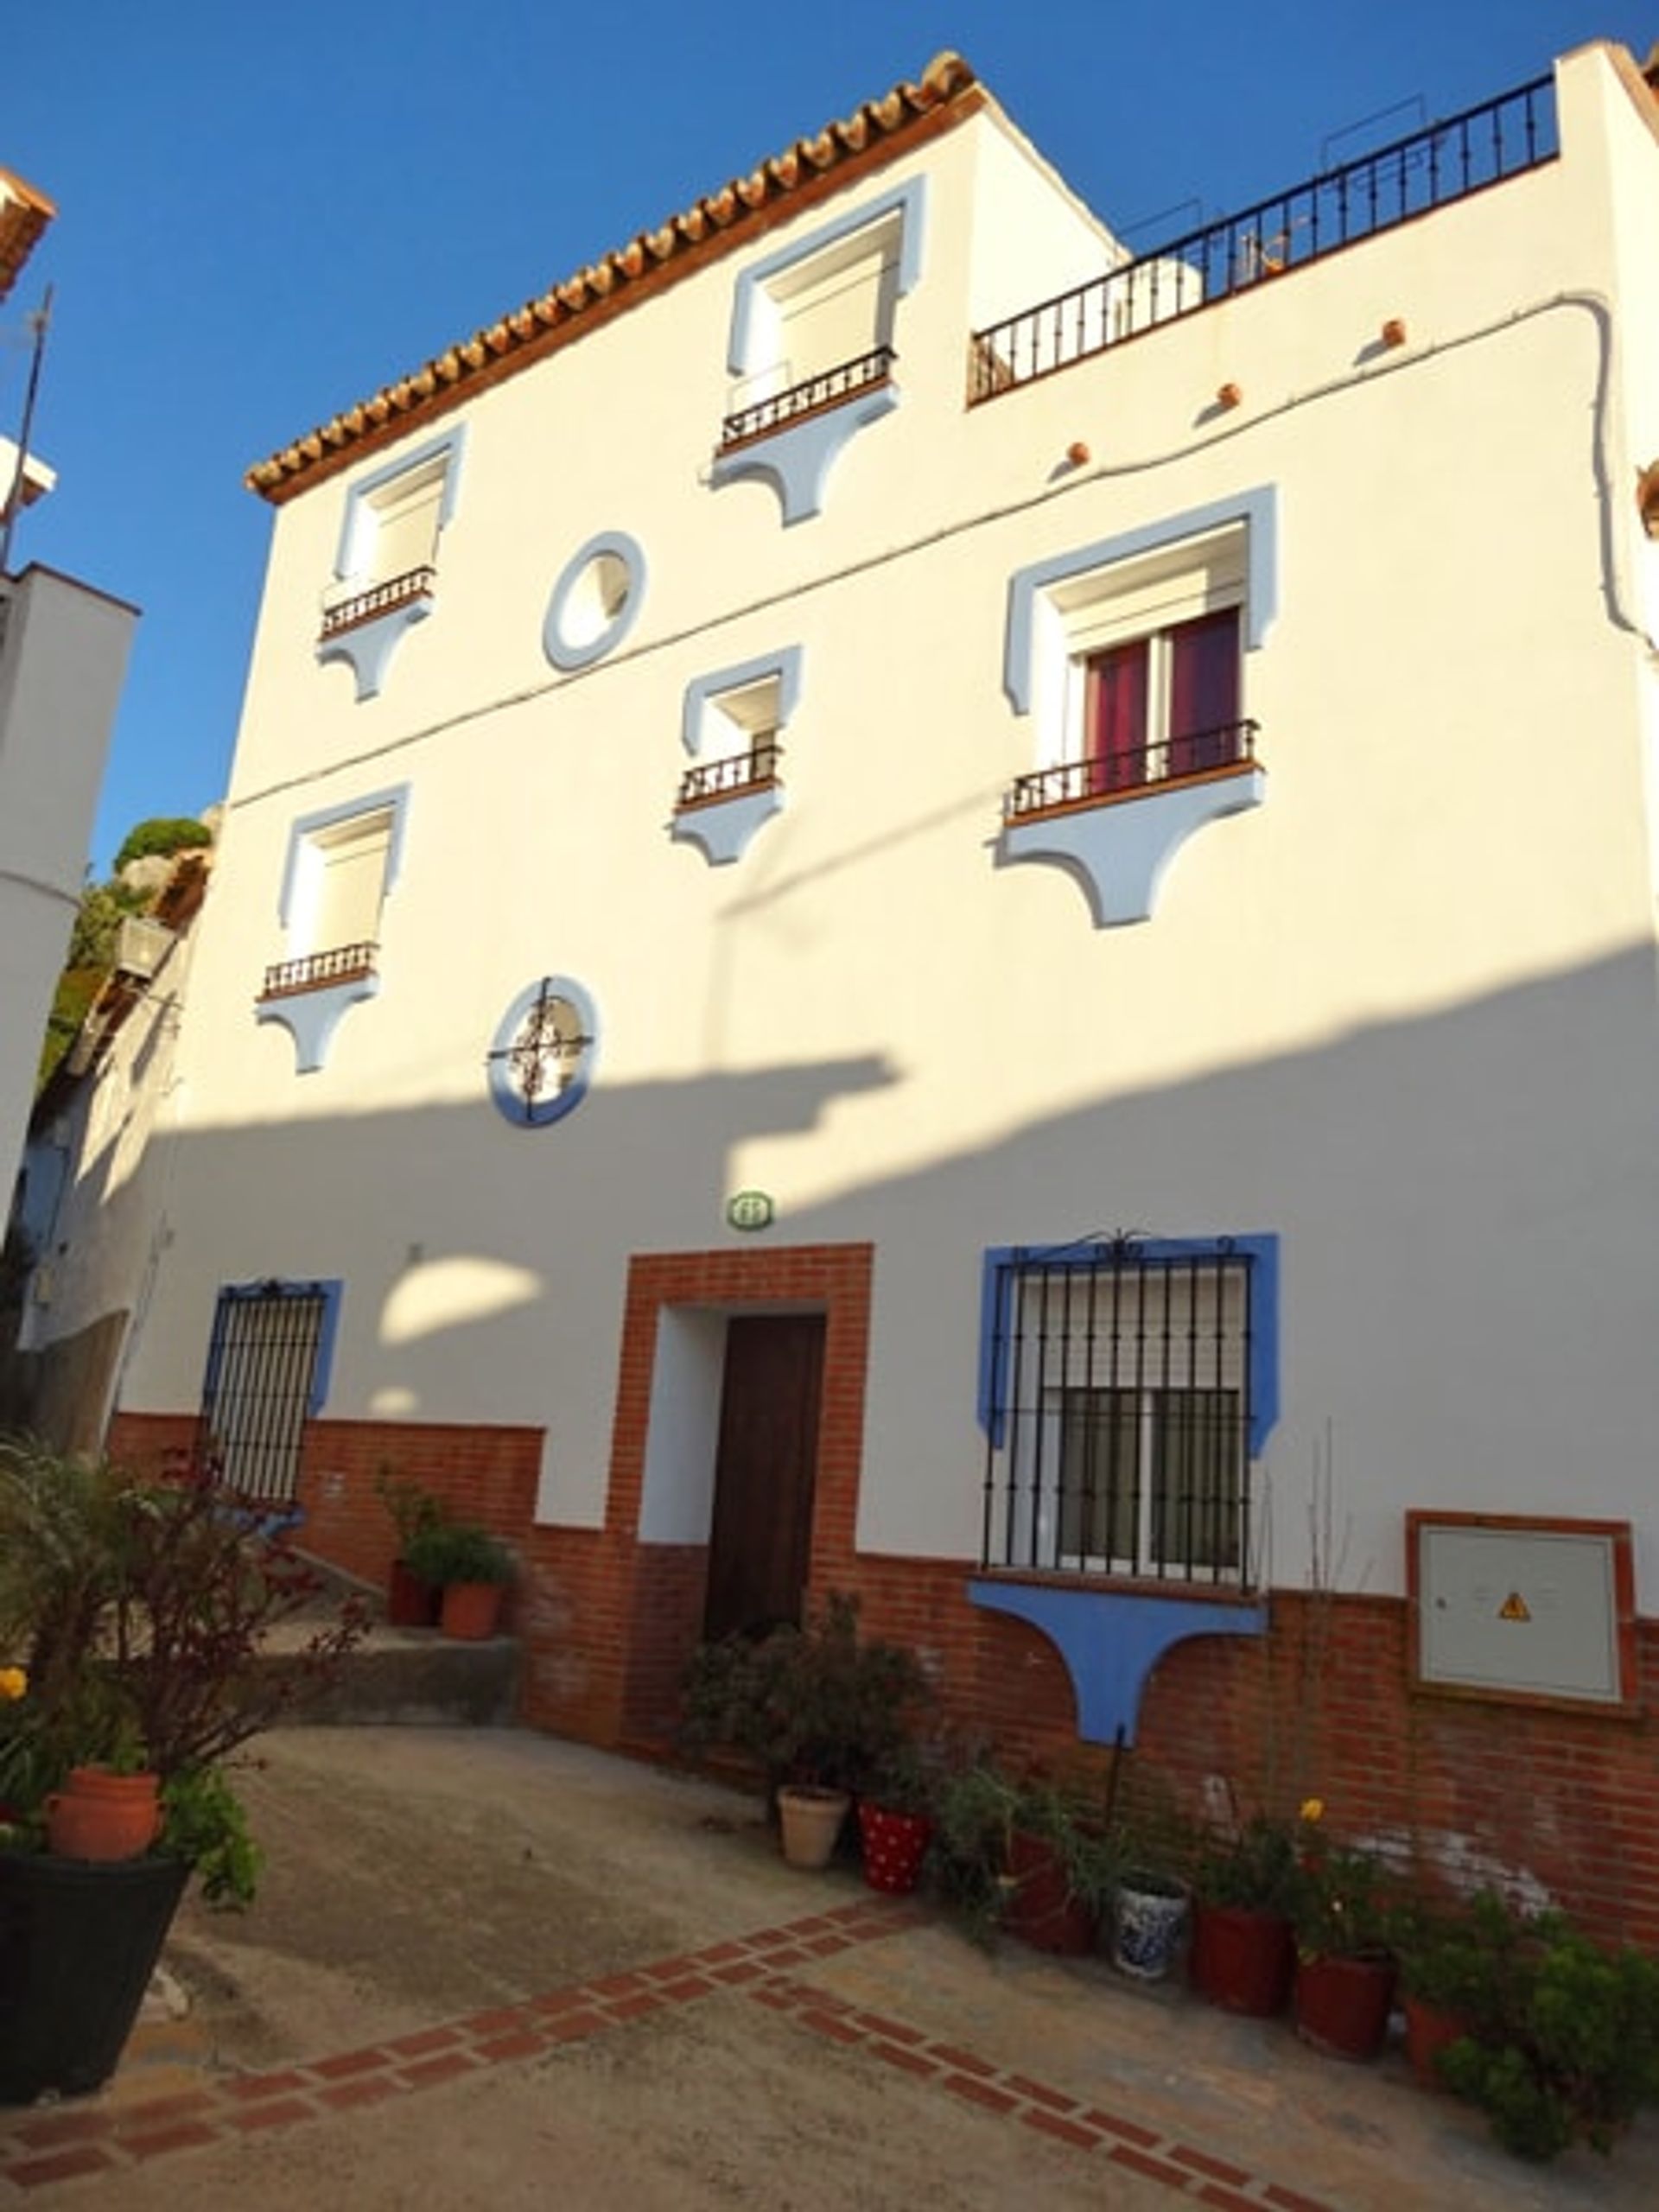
(623, 1615)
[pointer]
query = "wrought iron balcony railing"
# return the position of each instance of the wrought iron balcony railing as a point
(1484, 146)
(828, 389)
(345, 964)
(1223, 751)
(378, 598)
(728, 778)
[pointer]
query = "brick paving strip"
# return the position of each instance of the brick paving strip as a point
(43, 2144)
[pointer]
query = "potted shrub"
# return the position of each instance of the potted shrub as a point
(1343, 1988)
(895, 1821)
(819, 1711)
(1151, 1893)
(132, 1611)
(1027, 1854)
(1243, 1940)
(412, 1601)
(1564, 2035)
(1456, 1959)
(471, 1568)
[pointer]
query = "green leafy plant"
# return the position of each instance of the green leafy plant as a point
(415, 1511)
(206, 1823)
(1565, 2035)
(982, 1806)
(1254, 1868)
(135, 1610)
(815, 1704)
(163, 833)
(1466, 1957)
(1341, 1904)
(446, 1551)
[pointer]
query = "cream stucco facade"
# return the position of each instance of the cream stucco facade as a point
(1392, 1006)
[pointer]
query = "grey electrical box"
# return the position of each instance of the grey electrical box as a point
(1521, 1609)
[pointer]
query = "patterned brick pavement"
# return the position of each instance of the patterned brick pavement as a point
(45, 2145)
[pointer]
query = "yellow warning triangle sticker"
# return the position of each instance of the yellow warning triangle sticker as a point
(1514, 1608)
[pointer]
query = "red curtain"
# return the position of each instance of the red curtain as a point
(1115, 707)
(1203, 693)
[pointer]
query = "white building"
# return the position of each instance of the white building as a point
(63, 653)
(907, 907)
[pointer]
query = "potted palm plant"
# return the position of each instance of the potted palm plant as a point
(1024, 1853)
(132, 1615)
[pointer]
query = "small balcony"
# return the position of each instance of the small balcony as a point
(1206, 756)
(847, 380)
(318, 971)
(740, 774)
(378, 598)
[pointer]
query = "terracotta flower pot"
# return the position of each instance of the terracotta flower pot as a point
(1041, 1909)
(1244, 1959)
(895, 1844)
(1428, 2032)
(1342, 2005)
(412, 1601)
(811, 1818)
(471, 1610)
(103, 1816)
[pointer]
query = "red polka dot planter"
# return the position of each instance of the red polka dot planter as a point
(895, 1845)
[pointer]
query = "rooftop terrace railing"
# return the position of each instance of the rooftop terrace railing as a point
(1486, 145)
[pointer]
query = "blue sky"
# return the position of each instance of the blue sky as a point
(264, 214)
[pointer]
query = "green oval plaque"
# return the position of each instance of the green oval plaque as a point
(750, 1209)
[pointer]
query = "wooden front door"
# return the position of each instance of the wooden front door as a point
(761, 1538)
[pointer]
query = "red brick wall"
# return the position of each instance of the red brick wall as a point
(1323, 1707)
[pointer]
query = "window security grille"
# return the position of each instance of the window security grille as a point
(262, 1371)
(1119, 1413)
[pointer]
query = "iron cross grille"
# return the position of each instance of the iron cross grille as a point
(541, 1057)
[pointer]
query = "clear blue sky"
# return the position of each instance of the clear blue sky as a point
(267, 213)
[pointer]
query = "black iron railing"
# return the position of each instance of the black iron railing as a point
(261, 1363)
(1118, 1416)
(1431, 168)
(828, 389)
(378, 598)
(740, 772)
(341, 965)
(1224, 750)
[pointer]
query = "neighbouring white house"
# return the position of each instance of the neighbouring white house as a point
(63, 656)
(911, 906)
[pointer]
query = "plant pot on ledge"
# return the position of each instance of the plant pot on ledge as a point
(412, 1602)
(472, 1568)
(471, 1611)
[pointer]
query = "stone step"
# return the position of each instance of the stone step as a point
(415, 1677)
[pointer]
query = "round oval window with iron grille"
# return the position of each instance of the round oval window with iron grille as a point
(542, 1060)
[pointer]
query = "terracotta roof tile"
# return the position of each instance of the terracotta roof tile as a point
(715, 224)
(24, 213)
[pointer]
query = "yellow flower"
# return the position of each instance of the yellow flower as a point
(14, 1682)
(1313, 1809)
